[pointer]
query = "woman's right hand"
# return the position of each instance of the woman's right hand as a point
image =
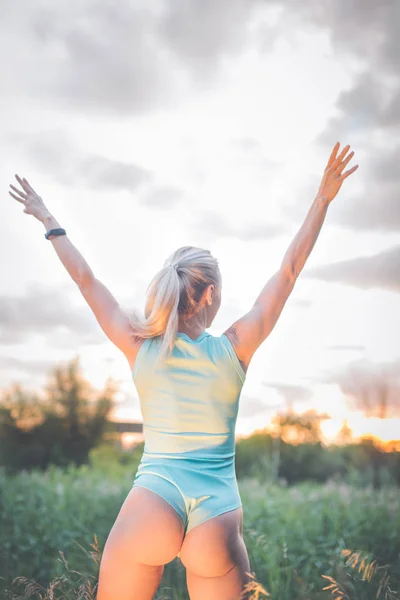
(333, 178)
(33, 203)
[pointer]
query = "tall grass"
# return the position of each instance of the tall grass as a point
(307, 542)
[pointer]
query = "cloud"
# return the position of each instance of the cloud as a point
(126, 59)
(55, 153)
(378, 208)
(132, 58)
(300, 302)
(347, 347)
(368, 113)
(366, 28)
(361, 109)
(99, 57)
(381, 270)
(251, 406)
(163, 196)
(293, 394)
(247, 145)
(373, 389)
(246, 155)
(202, 33)
(214, 225)
(46, 311)
(101, 172)
(30, 367)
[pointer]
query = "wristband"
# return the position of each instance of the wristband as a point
(55, 232)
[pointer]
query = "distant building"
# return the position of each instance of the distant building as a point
(125, 433)
(127, 426)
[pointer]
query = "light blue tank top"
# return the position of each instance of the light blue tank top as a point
(189, 401)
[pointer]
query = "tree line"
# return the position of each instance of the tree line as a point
(67, 422)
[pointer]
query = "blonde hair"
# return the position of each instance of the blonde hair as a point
(175, 291)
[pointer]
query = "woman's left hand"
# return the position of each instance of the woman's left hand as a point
(34, 204)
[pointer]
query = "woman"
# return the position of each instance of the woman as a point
(185, 500)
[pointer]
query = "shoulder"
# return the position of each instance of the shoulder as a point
(232, 336)
(225, 345)
(132, 352)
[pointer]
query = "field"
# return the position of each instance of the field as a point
(53, 526)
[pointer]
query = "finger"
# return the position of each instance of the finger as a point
(17, 190)
(333, 154)
(22, 183)
(342, 154)
(349, 172)
(16, 197)
(344, 163)
(29, 186)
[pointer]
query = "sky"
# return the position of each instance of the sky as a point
(146, 126)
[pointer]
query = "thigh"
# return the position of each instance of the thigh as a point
(216, 546)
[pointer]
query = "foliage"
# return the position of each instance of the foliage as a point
(59, 428)
(270, 458)
(365, 569)
(295, 535)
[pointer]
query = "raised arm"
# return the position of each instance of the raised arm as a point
(105, 307)
(248, 332)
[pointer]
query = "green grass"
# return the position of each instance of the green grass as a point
(53, 527)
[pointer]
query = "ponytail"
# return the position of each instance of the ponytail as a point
(175, 291)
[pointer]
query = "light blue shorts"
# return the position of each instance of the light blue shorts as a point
(197, 489)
